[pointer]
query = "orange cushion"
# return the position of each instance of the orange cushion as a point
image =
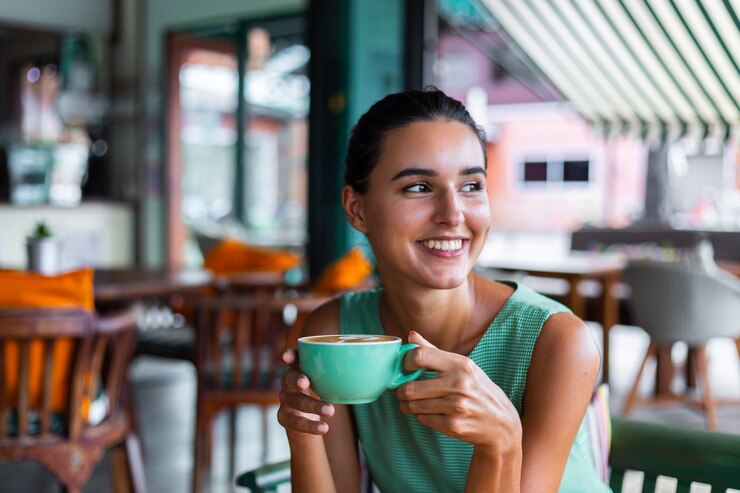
(348, 272)
(231, 255)
(30, 290)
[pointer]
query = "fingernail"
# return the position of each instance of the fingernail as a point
(327, 410)
(323, 427)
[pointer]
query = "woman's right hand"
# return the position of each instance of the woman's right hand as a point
(300, 408)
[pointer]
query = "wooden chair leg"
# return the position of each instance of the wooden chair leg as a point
(199, 450)
(702, 375)
(629, 402)
(119, 475)
(128, 466)
(207, 426)
(664, 370)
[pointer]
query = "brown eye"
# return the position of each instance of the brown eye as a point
(473, 186)
(420, 187)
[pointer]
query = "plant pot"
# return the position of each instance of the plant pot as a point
(44, 256)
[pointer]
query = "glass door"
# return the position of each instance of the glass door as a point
(237, 166)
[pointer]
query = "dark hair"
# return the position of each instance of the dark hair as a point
(396, 111)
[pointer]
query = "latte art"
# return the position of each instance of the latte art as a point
(349, 339)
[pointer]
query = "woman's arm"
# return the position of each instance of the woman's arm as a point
(527, 455)
(463, 403)
(322, 440)
(561, 379)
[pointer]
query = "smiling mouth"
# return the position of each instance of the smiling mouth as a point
(443, 245)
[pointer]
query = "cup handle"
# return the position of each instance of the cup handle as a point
(400, 377)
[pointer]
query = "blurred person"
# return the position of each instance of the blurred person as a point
(509, 373)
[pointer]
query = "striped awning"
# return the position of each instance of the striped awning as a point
(656, 66)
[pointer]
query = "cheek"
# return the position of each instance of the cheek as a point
(479, 215)
(393, 223)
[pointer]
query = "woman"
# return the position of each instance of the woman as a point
(509, 372)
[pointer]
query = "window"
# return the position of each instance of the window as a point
(535, 171)
(575, 171)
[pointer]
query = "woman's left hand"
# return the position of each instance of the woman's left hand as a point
(461, 402)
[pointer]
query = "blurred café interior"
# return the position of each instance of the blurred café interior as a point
(165, 164)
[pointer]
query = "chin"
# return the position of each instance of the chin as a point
(448, 282)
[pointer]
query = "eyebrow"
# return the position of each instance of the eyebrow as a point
(472, 170)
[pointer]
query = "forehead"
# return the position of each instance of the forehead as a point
(430, 144)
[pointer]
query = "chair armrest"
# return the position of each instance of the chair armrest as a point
(267, 478)
(685, 454)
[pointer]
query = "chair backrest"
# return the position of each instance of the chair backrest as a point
(52, 365)
(675, 302)
(240, 340)
(685, 455)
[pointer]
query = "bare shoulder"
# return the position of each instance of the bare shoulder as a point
(564, 329)
(323, 320)
(566, 340)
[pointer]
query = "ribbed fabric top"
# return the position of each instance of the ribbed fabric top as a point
(405, 456)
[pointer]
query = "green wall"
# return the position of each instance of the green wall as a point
(354, 63)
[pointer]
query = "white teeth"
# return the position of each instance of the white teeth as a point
(444, 245)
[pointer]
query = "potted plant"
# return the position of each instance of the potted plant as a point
(44, 250)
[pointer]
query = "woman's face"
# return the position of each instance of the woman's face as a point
(426, 211)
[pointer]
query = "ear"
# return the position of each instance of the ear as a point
(354, 207)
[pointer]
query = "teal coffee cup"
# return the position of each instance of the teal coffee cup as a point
(354, 369)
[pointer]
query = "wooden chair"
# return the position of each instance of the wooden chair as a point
(655, 450)
(165, 339)
(240, 341)
(36, 346)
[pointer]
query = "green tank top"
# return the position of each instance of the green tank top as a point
(405, 456)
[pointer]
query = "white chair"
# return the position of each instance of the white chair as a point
(675, 302)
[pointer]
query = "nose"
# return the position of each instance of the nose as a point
(448, 208)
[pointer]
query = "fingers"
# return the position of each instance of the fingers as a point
(300, 409)
(297, 421)
(423, 389)
(437, 422)
(417, 338)
(290, 357)
(440, 405)
(307, 405)
(429, 357)
(295, 380)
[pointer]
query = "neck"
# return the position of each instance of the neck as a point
(444, 317)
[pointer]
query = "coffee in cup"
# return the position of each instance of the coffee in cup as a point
(354, 368)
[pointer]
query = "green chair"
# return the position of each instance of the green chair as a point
(688, 455)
